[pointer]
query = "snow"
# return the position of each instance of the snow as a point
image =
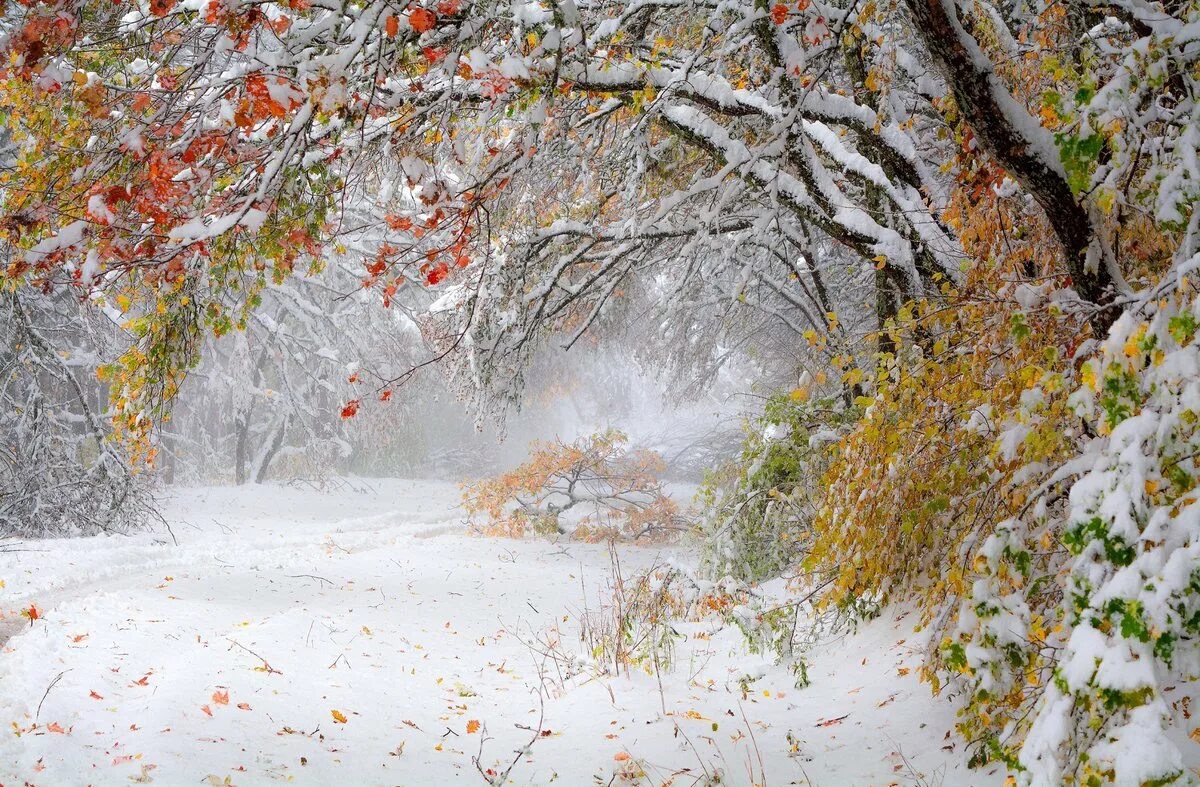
(149, 660)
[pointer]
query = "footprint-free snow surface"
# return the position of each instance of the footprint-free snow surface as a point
(361, 637)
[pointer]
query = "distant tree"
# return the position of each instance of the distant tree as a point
(593, 486)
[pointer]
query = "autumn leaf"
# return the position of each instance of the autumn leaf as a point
(56, 727)
(351, 409)
(243, 706)
(31, 613)
(621, 756)
(779, 13)
(472, 726)
(421, 20)
(338, 716)
(94, 695)
(207, 710)
(221, 697)
(392, 26)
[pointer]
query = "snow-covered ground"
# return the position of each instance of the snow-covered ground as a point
(357, 637)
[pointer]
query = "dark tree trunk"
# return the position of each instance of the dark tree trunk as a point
(990, 111)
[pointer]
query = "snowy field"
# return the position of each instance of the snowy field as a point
(363, 638)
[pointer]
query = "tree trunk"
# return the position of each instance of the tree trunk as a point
(1019, 144)
(260, 474)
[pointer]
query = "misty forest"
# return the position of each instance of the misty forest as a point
(599, 392)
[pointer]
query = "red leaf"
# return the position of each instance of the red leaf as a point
(392, 25)
(779, 13)
(436, 273)
(351, 409)
(421, 20)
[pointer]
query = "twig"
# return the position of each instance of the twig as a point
(310, 576)
(47, 694)
(266, 664)
(502, 778)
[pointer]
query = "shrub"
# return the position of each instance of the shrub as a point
(609, 490)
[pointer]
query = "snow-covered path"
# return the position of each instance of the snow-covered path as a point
(356, 638)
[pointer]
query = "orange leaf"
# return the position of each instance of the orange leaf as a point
(243, 706)
(472, 726)
(421, 20)
(95, 696)
(221, 697)
(621, 756)
(207, 710)
(392, 25)
(351, 409)
(56, 727)
(338, 716)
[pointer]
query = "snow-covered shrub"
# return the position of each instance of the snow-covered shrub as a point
(596, 485)
(759, 508)
(968, 430)
(1131, 599)
(1072, 619)
(60, 474)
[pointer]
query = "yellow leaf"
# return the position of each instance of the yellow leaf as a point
(338, 716)
(472, 726)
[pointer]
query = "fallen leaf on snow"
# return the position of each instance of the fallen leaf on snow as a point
(338, 716)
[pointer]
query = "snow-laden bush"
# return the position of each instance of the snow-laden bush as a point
(1131, 602)
(1083, 610)
(759, 508)
(595, 487)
